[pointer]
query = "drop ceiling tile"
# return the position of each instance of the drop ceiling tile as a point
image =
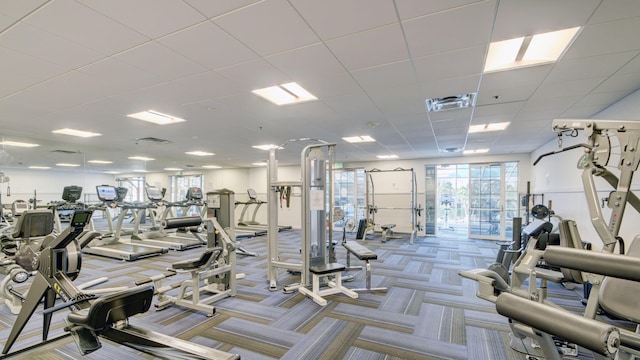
(449, 87)
(370, 48)
(439, 32)
(334, 18)
(208, 45)
(254, 74)
(98, 31)
(210, 85)
(18, 9)
(219, 7)
(173, 65)
(32, 41)
(151, 18)
(305, 60)
(275, 27)
(589, 67)
(619, 82)
(579, 87)
(458, 63)
(408, 9)
(611, 37)
(386, 76)
(615, 10)
(529, 76)
(122, 76)
(540, 18)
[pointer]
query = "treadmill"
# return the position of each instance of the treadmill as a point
(155, 235)
(111, 245)
(253, 225)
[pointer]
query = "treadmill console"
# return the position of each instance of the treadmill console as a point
(71, 193)
(153, 193)
(107, 193)
(194, 194)
(252, 194)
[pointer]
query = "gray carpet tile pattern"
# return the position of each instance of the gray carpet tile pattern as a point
(428, 312)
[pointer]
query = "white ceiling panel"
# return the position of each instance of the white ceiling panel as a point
(371, 63)
(275, 27)
(410, 8)
(314, 59)
(426, 36)
(375, 47)
(219, 7)
(465, 62)
(612, 37)
(611, 10)
(98, 31)
(254, 74)
(449, 87)
(522, 18)
(33, 41)
(167, 15)
(173, 65)
(334, 18)
(217, 48)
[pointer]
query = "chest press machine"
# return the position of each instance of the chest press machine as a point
(214, 272)
(615, 279)
(57, 263)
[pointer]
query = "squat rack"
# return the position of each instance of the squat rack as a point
(371, 208)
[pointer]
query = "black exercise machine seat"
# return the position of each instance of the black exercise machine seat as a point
(112, 308)
(33, 223)
(359, 251)
(327, 268)
(204, 259)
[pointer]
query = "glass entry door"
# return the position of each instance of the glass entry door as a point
(493, 200)
(349, 196)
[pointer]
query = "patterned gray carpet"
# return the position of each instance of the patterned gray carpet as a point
(429, 312)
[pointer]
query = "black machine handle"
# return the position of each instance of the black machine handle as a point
(586, 146)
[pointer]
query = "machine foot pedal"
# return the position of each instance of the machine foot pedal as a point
(86, 340)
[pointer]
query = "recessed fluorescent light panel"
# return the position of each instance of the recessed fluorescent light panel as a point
(172, 169)
(488, 127)
(39, 167)
(100, 162)
(111, 172)
(67, 165)
(74, 132)
(156, 117)
(475, 151)
(266, 147)
(211, 166)
(387, 157)
(454, 102)
(18, 144)
(260, 163)
(199, 153)
(285, 94)
(143, 158)
(140, 170)
(358, 139)
(529, 50)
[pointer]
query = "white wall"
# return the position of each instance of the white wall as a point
(559, 178)
(48, 184)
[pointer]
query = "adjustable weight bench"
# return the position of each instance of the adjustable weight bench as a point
(364, 254)
(387, 232)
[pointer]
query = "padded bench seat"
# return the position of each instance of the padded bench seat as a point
(203, 260)
(359, 251)
(365, 254)
(327, 268)
(334, 286)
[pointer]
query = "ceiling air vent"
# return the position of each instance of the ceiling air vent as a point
(451, 102)
(451, 150)
(68, 152)
(152, 140)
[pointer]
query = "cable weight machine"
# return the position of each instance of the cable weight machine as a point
(371, 209)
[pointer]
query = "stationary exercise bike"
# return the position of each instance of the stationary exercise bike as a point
(57, 262)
